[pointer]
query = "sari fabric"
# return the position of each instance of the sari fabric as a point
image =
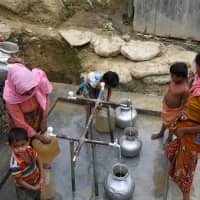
(183, 153)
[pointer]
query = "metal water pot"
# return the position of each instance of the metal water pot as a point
(125, 116)
(6, 50)
(119, 184)
(130, 143)
(3, 67)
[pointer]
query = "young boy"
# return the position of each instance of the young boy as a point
(25, 166)
(90, 86)
(175, 98)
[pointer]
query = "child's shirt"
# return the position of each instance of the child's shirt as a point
(29, 172)
(93, 78)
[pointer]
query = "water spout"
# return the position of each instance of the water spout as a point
(71, 95)
(115, 144)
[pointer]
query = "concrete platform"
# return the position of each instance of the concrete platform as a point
(149, 169)
(146, 104)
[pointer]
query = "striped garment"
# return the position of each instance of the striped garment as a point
(29, 172)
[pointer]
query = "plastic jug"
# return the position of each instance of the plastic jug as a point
(102, 125)
(49, 191)
(47, 152)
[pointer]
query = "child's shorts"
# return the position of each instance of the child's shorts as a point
(27, 194)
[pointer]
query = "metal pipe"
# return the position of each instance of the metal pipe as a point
(71, 142)
(85, 140)
(96, 189)
(109, 124)
(94, 170)
(53, 106)
(84, 100)
(85, 132)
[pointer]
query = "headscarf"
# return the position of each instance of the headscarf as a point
(195, 90)
(20, 80)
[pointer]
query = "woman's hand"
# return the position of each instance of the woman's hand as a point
(180, 132)
(44, 139)
(15, 59)
(36, 187)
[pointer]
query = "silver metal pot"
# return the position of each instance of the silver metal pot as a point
(129, 143)
(9, 47)
(119, 184)
(125, 116)
(3, 67)
(6, 50)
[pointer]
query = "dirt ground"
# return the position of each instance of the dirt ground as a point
(42, 46)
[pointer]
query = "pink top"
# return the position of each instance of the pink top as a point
(20, 80)
(17, 111)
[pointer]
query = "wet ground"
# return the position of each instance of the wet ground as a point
(148, 169)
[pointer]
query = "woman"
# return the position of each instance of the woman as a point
(183, 151)
(27, 102)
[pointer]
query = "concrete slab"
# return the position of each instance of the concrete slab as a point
(149, 170)
(147, 104)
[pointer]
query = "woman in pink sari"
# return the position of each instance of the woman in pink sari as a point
(27, 102)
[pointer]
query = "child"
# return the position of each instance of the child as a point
(25, 166)
(90, 86)
(175, 98)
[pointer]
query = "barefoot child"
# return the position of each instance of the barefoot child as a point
(175, 98)
(25, 166)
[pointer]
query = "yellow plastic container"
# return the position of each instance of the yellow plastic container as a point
(102, 125)
(49, 191)
(47, 152)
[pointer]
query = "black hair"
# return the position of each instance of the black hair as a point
(179, 69)
(111, 79)
(17, 134)
(197, 59)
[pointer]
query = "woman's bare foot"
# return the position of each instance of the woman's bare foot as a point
(156, 136)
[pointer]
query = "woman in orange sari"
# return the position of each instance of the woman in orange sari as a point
(183, 151)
